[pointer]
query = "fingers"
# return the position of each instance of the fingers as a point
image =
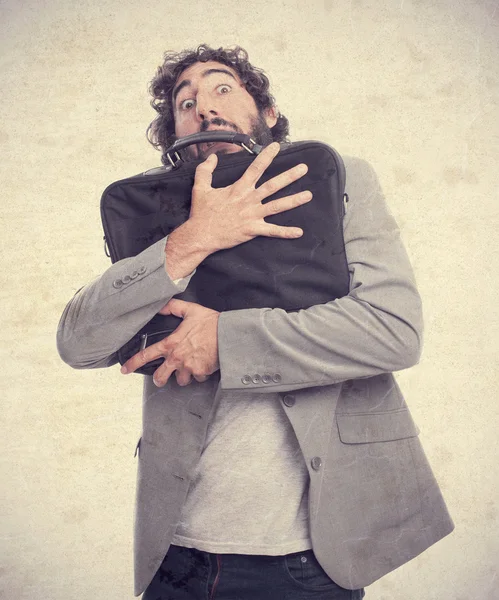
(278, 231)
(184, 377)
(163, 373)
(286, 203)
(282, 180)
(258, 166)
(201, 378)
(143, 357)
(204, 173)
(176, 307)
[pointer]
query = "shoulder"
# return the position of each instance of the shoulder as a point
(367, 206)
(360, 176)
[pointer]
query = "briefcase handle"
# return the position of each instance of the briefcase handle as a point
(241, 139)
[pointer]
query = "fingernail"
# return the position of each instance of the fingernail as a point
(156, 382)
(124, 370)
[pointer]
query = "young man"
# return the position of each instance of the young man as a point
(278, 457)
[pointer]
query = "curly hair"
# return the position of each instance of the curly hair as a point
(162, 129)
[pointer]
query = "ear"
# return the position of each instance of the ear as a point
(271, 115)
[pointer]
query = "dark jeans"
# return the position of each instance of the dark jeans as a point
(190, 574)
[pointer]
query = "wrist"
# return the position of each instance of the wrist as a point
(184, 251)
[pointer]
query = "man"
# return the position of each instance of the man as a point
(278, 457)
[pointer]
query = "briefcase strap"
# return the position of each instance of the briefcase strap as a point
(240, 139)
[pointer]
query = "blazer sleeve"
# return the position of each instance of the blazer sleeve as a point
(377, 328)
(106, 313)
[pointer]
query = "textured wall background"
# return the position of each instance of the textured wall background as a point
(410, 85)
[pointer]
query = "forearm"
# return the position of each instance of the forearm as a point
(344, 339)
(106, 313)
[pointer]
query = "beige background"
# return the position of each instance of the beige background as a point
(410, 85)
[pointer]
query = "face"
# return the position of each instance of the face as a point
(211, 96)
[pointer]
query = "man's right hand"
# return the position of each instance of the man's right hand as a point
(226, 217)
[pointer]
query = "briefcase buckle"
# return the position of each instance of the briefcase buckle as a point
(177, 156)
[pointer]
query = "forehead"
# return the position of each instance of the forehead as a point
(196, 71)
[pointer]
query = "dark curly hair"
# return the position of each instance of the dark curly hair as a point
(162, 129)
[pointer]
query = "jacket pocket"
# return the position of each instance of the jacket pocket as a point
(362, 428)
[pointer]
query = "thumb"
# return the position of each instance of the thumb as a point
(175, 307)
(204, 171)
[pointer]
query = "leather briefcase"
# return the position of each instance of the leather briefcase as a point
(289, 274)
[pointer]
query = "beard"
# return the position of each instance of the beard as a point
(259, 132)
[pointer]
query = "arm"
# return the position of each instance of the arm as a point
(105, 314)
(376, 328)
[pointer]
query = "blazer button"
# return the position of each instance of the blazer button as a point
(246, 379)
(276, 378)
(256, 378)
(126, 279)
(316, 463)
(289, 400)
(134, 275)
(142, 270)
(117, 283)
(266, 378)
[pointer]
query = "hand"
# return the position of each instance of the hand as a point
(191, 350)
(230, 216)
(226, 217)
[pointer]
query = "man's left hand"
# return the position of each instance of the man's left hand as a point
(191, 350)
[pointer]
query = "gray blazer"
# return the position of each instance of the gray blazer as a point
(374, 503)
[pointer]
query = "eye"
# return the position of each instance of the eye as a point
(184, 105)
(221, 88)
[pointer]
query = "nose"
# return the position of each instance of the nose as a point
(205, 106)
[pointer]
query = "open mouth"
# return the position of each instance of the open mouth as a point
(208, 145)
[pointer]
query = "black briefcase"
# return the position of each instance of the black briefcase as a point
(290, 274)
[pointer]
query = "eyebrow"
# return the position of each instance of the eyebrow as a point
(204, 74)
